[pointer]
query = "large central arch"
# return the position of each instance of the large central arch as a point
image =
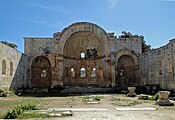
(76, 59)
(76, 40)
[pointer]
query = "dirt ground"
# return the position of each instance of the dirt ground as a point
(107, 101)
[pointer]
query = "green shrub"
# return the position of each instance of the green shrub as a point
(17, 110)
(97, 98)
(155, 97)
(28, 107)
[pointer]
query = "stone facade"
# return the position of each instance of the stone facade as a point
(12, 68)
(84, 54)
(157, 66)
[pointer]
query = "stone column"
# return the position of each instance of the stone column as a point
(57, 74)
(131, 91)
(163, 99)
(113, 61)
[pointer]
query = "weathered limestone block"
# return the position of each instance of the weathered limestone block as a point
(67, 113)
(143, 97)
(164, 100)
(131, 91)
(55, 114)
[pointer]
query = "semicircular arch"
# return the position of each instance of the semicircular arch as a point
(83, 26)
(129, 53)
(50, 57)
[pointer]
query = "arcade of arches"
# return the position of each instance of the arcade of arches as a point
(82, 57)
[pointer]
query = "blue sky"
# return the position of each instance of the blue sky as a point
(155, 19)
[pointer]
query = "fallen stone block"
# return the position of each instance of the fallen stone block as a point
(55, 115)
(67, 113)
(93, 102)
(143, 97)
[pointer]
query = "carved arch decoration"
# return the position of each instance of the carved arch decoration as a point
(127, 65)
(41, 73)
(49, 56)
(83, 26)
(129, 53)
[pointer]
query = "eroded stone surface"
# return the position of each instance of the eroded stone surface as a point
(131, 91)
(164, 99)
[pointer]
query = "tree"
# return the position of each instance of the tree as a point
(145, 47)
(12, 45)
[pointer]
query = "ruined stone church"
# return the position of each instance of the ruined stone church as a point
(83, 55)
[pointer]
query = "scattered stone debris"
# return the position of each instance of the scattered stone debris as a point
(67, 113)
(54, 114)
(143, 97)
(6, 93)
(92, 99)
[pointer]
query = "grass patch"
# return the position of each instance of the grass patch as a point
(9, 102)
(17, 110)
(98, 98)
(124, 102)
(115, 99)
(92, 98)
(32, 115)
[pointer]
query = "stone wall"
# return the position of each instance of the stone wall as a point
(63, 55)
(130, 42)
(127, 48)
(157, 66)
(13, 70)
(33, 46)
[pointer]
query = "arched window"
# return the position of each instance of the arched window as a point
(11, 68)
(101, 72)
(3, 67)
(72, 72)
(82, 72)
(170, 70)
(160, 67)
(82, 55)
(93, 73)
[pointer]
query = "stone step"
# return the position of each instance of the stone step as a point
(135, 109)
(78, 109)
(86, 90)
(52, 113)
